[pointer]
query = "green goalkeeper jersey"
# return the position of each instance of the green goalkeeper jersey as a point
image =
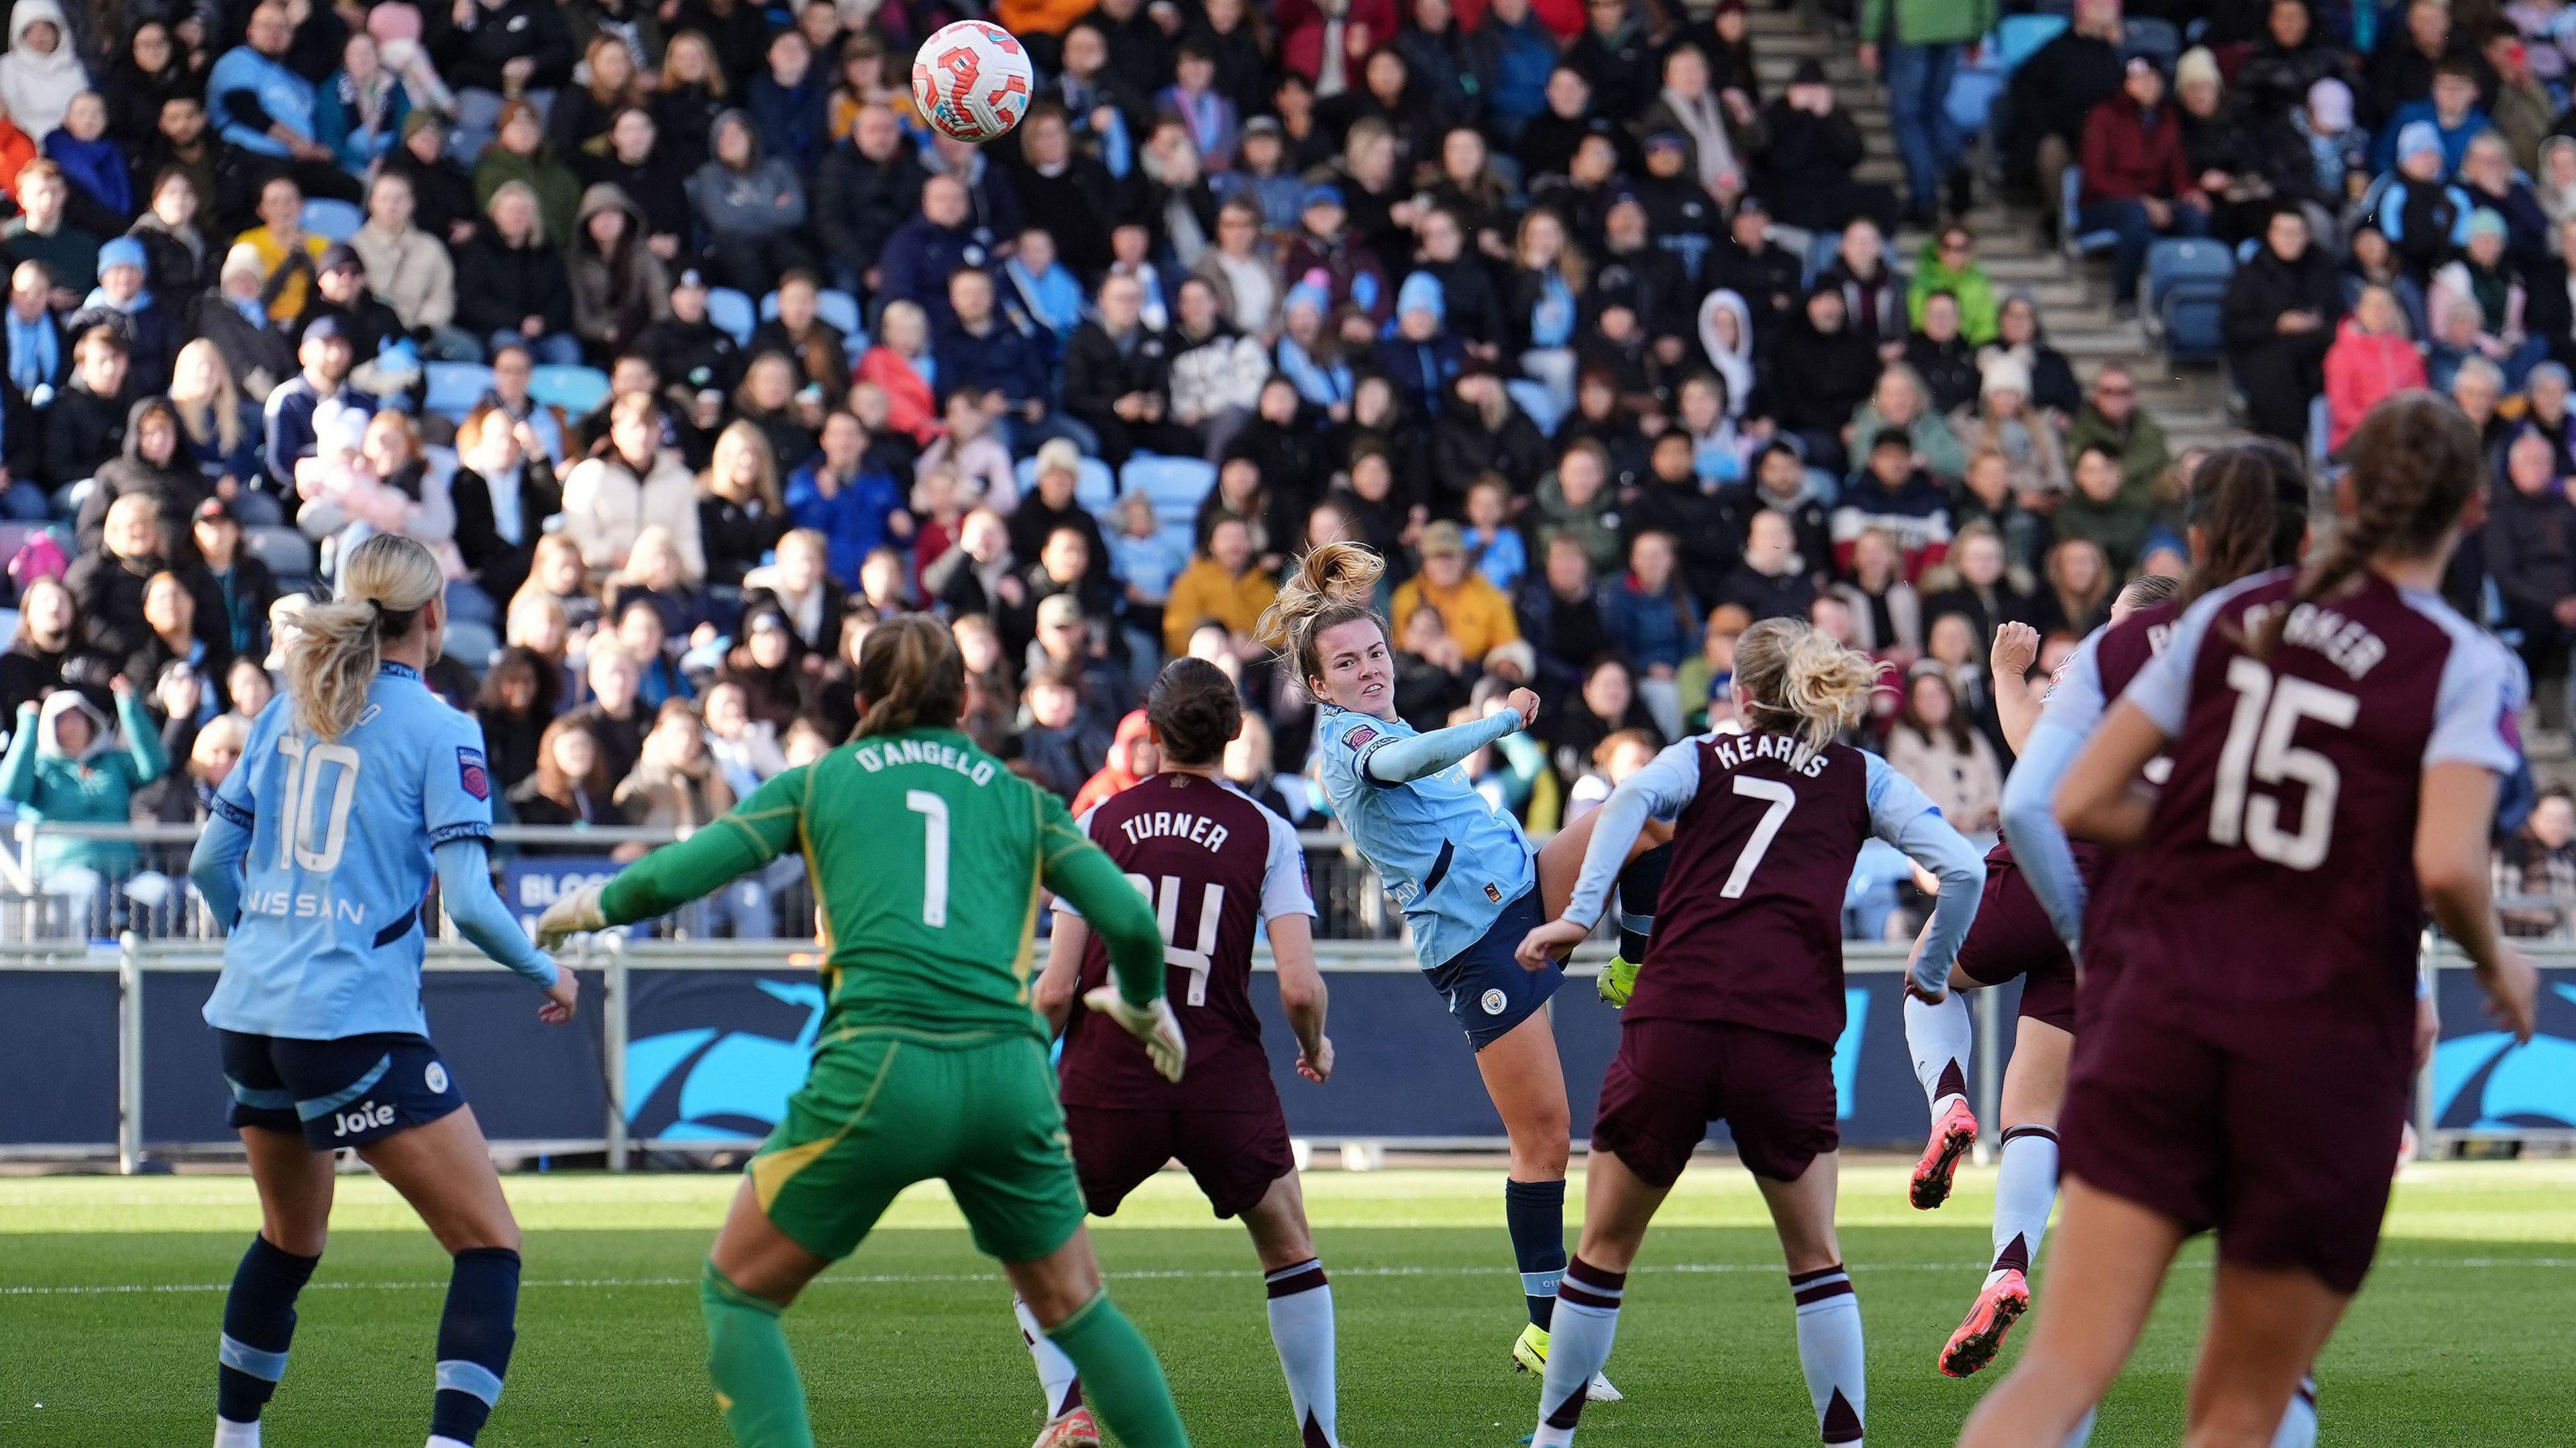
(927, 857)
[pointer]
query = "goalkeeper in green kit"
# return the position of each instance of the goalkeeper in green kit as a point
(927, 857)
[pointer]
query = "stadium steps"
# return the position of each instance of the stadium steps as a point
(2191, 401)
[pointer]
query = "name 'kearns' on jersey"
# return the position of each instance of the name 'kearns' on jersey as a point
(1735, 751)
(874, 757)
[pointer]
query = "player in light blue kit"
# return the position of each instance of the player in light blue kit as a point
(356, 786)
(1466, 879)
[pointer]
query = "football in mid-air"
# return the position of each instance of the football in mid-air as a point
(971, 81)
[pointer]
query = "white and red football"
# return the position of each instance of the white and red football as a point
(971, 81)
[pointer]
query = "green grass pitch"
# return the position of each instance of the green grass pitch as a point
(111, 1294)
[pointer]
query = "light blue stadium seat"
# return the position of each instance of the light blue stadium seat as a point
(2153, 38)
(454, 387)
(2077, 241)
(332, 220)
(1821, 249)
(2183, 289)
(1534, 399)
(1175, 485)
(2018, 37)
(1095, 488)
(732, 311)
(579, 391)
(471, 644)
(287, 553)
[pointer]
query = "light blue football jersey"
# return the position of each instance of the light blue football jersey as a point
(330, 938)
(1448, 856)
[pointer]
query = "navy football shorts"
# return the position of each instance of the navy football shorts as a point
(1487, 991)
(347, 1092)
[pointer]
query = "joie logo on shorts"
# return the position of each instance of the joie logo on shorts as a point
(1494, 1002)
(435, 1078)
(367, 1117)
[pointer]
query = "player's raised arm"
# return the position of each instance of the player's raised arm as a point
(1657, 791)
(741, 840)
(1402, 761)
(2016, 646)
(1901, 814)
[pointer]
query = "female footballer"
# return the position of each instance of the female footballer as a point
(356, 788)
(1740, 999)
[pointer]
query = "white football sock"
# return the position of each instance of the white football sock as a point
(229, 1434)
(1055, 1371)
(2025, 1190)
(1940, 1039)
(1587, 1321)
(2299, 1425)
(2083, 1433)
(1829, 1351)
(1301, 1327)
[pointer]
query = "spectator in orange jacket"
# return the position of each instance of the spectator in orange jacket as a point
(2371, 358)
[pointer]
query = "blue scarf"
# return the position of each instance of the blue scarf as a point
(35, 352)
(1552, 320)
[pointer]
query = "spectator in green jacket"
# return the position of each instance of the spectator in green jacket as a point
(62, 768)
(2111, 417)
(1916, 46)
(1948, 263)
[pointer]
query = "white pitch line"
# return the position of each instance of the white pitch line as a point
(904, 1279)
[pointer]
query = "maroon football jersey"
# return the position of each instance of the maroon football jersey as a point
(1207, 857)
(2276, 882)
(1749, 928)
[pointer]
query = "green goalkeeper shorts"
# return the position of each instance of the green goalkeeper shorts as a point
(879, 1112)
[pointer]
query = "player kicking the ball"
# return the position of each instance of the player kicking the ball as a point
(1217, 868)
(1740, 997)
(927, 857)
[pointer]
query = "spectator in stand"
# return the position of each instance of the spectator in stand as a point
(1873, 291)
(218, 427)
(856, 508)
(750, 209)
(2053, 388)
(100, 179)
(1226, 584)
(629, 482)
(2535, 870)
(1887, 614)
(1216, 371)
(1893, 494)
(1899, 402)
(1916, 48)
(1117, 379)
(2052, 94)
(2137, 181)
(868, 187)
(1476, 616)
(149, 464)
(618, 285)
(1948, 264)
(2112, 418)
(1323, 243)
(262, 106)
(411, 271)
(504, 498)
(2451, 109)
(2423, 215)
(2103, 510)
(570, 785)
(123, 302)
(41, 233)
(1774, 581)
(2002, 422)
(1061, 745)
(636, 162)
(492, 49)
(1822, 372)
(978, 355)
(2530, 551)
(1941, 356)
(1653, 620)
(900, 366)
(1780, 481)
(2488, 178)
(785, 102)
(2077, 585)
(112, 585)
(2280, 314)
(1559, 613)
(1763, 275)
(1932, 744)
(2521, 109)
(514, 708)
(1810, 153)
(519, 292)
(798, 332)
(359, 109)
(1606, 704)
(741, 513)
(2483, 280)
(1982, 590)
(85, 424)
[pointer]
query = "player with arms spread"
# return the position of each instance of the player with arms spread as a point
(927, 857)
(1217, 868)
(2335, 737)
(1739, 1000)
(1461, 870)
(356, 787)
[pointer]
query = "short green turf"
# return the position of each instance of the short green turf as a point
(111, 1295)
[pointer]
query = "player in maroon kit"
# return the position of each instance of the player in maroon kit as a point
(1218, 868)
(1739, 1000)
(2335, 737)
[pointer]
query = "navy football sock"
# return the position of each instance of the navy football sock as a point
(1535, 1212)
(259, 1323)
(474, 1338)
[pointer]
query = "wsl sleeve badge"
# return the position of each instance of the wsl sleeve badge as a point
(471, 774)
(972, 81)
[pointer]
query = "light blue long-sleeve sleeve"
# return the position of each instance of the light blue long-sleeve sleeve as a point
(1657, 791)
(1904, 816)
(465, 887)
(214, 866)
(1404, 760)
(2039, 846)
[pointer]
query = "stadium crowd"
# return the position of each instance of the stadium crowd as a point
(1601, 340)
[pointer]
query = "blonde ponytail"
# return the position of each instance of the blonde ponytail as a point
(1793, 677)
(336, 647)
(1335, 584)
(911, 676)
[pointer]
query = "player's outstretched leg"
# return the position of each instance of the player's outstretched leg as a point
(1122, 1381)
(2025, 1189)
(1301, 1310)
(1940, 1037)
(295, 1184)
(1068, 1422)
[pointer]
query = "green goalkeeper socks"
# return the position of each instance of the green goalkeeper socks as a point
(757, 1389)
(1120, 1377)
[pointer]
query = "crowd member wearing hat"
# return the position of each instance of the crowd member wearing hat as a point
(1683, 213)
(340, 289)
(2137, 181)
(2482, 279)
(2421, 213)
(1352, 273)
(326, 357)
(1225, 584)
(1809, 153)
(697, 361)
(123, 300)
(232, 316)
(442, 195)
(1422, 354)
(1475, 614)
(2314, 152)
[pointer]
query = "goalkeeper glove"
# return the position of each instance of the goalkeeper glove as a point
(1618, 980)
(573, 914)
(1152, 1023)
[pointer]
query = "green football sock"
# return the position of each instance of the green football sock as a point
(757, 1389)
(1120, 1377)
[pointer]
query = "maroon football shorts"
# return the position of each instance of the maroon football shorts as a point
(2012, 937)
(1233, 1155)
(2285, 1152)
(1670, 1079)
